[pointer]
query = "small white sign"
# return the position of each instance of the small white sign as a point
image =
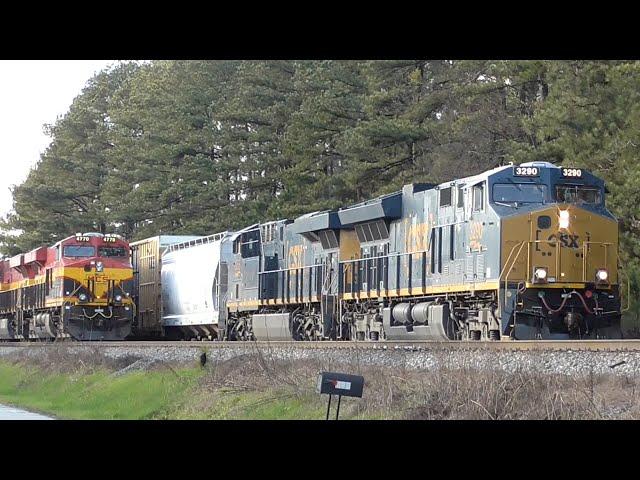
(343, 385)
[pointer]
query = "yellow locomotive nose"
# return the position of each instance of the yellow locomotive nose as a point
(567, 246)
(104, 285)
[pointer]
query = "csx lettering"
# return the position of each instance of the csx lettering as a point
(566, 240)
(416, 238)
(295, 256)
(475, 239)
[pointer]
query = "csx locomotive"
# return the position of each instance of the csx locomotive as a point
(518, 252)
(80, 288)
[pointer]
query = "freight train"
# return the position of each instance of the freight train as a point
(524, 251)
(80, 288)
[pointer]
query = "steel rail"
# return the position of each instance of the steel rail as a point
(605, 345)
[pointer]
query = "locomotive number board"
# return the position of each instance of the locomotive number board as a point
(572, 172)
(109, 239)
(526, 171)
(82, 238)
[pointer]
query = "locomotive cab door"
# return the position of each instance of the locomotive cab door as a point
(474, 213)
(329, 294)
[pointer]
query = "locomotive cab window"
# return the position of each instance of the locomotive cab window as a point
(460, 197)
(445, 197)
(250, 244)
(478, 197)
(112, 252)
(78, 251)
(578, 194)
(519, 192)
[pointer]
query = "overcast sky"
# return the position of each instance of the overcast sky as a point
(33, 93)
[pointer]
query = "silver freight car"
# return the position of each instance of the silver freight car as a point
(194, 287)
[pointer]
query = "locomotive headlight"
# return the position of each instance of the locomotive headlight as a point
(602, 275)
(563, 219)
(540, 274)
(99, 267)
(83, 297)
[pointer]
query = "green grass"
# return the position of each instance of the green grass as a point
(268, 405)
(161, 394)
(99, 395)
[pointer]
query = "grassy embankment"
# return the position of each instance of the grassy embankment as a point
(258, 386)
(87, 386)
(160, 394)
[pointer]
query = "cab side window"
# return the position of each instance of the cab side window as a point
(478, 197)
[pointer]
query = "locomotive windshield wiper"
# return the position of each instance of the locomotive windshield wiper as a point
(515, 204)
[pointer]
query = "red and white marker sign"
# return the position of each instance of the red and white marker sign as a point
(341, 385)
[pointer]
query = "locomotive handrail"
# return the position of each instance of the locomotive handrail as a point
(287, 269)
(585, 251)
(393, 254)
(354, 273)
(506, 280)
(556, 243)
(557, 246)
(521, 244)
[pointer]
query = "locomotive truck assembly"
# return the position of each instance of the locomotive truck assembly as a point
(518, 252)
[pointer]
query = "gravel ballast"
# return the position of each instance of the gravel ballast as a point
(565, 362)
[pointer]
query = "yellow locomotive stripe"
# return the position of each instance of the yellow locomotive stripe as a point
(75, 273)
(118, 274)
(405, 292)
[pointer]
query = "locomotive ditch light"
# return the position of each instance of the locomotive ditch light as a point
(602, 275)
(118, 298)
(83, 297)
(563, 219)
(99, 267)
(540, 275)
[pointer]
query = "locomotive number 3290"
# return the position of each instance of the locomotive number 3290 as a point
(527, 171)
(571, 172)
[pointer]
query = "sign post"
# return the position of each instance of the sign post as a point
(341, 384)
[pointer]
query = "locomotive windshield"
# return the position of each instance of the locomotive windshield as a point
(112, 252)
(578, 194)
(519, 192)
(77, 251)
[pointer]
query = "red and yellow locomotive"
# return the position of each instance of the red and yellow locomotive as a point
(80, 288)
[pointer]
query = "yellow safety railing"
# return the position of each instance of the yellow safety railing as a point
(512, 259)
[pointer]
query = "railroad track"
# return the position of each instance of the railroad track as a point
(591, 345)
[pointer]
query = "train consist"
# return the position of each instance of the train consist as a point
(80, 288)
(517, 252)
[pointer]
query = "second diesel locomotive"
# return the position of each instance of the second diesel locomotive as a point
(80, 288)
(517, 252)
